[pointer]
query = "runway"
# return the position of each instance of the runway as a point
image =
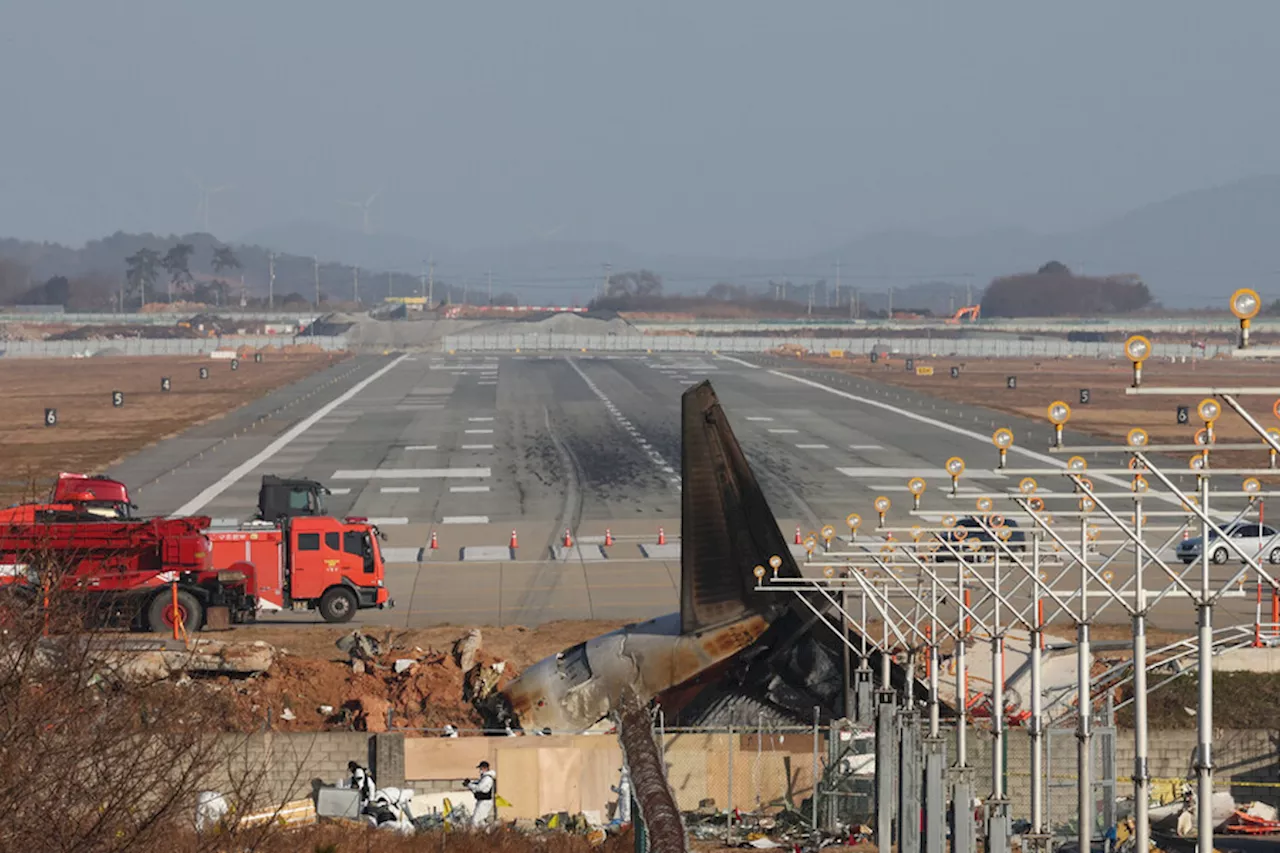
(476, 447)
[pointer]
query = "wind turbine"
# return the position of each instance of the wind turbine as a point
(202, 206)
(364, 207)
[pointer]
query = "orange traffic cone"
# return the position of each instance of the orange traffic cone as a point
(514, 544)
(568, 540)
(799, 541)
(662, 536)
(608, 537)
(435, 545)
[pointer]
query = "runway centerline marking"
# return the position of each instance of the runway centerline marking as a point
(465, 519)
(399, 490)
(782, 431)
(387, 521)
(759, 418)
(233, 476)
(477, 447)
(812, 447)
(456, 489)
(420, 447)
(656, 457)
(480, 420)
(478, 432)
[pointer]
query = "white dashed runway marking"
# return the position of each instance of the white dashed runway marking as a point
(410, 473)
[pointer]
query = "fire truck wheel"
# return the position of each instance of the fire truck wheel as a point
(338, 604)
(160, 613)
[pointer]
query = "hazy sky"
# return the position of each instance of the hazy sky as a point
(740, 127)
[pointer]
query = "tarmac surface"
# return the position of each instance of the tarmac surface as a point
(475, 448)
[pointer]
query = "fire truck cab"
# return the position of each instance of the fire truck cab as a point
(307, 563)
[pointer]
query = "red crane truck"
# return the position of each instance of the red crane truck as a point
(125, 569)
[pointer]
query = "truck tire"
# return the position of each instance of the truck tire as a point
(338, 604)
(160, 613)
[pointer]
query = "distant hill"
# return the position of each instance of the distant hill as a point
(1192, 250)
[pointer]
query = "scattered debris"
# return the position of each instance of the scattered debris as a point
(359, 646)
(403, 664)
(466, 648)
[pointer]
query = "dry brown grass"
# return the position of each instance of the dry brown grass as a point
(91, 434)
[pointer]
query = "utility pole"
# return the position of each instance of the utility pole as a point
(243, 301)
(355, 285)
(490, 287)
(422, 282)
(837, 282)
(810, 299)
(968, 293)
(890, 302)
(853, 305)
(388, 286)
(431, 282)
(271, 281)
(604, 288)
(315, 268)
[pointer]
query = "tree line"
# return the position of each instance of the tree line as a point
(1054, 291)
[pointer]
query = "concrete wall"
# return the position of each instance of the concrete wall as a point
(283, 766)
(275, 767)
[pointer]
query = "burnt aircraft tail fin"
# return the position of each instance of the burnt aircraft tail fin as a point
(727, 528)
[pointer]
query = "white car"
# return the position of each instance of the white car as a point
(1254, 539)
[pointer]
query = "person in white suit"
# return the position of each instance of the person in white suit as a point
(485, 788)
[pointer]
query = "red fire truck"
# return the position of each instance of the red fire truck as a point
(307, 563)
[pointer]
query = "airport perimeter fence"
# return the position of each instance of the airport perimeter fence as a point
(153, 346)
(152, 318)
(916, 347)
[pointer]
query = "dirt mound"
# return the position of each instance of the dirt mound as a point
(430, 692)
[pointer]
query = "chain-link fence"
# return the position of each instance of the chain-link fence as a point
(157, 346)
(990, 347)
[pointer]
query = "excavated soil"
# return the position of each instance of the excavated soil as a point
(311, 672)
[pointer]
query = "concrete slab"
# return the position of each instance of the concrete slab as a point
(486, 554)
(584, 552)
(670, 551)
(402, 555)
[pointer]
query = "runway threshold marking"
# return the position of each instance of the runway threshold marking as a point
(233, 476)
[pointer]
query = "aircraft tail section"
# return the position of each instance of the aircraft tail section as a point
(727, 528)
